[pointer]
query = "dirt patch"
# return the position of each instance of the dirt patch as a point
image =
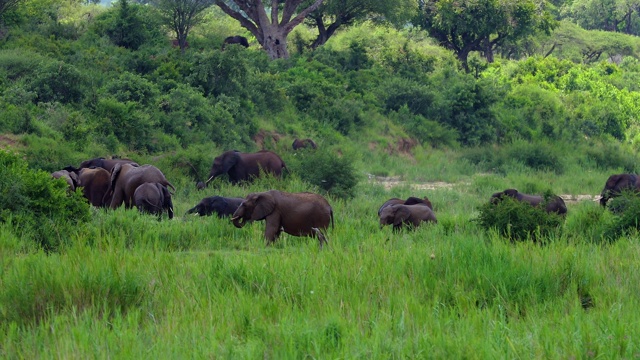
(393, 181)
(9, 141)
(264, 137)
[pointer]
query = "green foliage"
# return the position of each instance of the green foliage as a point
(427, 132)
(518, 220)
(38, 208)
(128, 25)
(57, 81)
(131, 87)
(126, 122)
(626, 209)
(540, 156)
(335, 175)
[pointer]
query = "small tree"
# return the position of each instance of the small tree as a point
(181, 16)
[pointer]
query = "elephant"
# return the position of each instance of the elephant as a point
(240, 40)
(411, 215)
(411, 200)
(616, 184)
(222, 206)
(69, 176)
(106, 164)
(297, 214)
(153, 198)
(244, 166)
(95, 182)
(125, 179)
(555, 204)
(303, 143)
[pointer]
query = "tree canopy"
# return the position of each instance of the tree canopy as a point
(334, 14)
(465, 26)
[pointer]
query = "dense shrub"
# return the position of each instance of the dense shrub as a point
(518, 221)
(38, 207)
(131, 87)
(626, 209)
(611, 156)
(57, 81)
(335, 175)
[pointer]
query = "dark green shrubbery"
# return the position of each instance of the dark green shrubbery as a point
(336, 175)
(38, 207)
(519, 221)
(540, 156)
(626, 209)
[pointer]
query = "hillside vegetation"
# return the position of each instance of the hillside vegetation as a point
(394, 115)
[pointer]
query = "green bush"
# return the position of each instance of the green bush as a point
(518, 220)
(38, 207)
(626, 211)
(336, 175)
(58, 81)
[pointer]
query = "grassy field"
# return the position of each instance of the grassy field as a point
(128, 286)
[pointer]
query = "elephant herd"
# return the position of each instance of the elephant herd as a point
(109, 183)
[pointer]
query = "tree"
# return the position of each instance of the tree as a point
(271, 33)
(482, 25)
(333, 14)
(182, 15)
(609, 15)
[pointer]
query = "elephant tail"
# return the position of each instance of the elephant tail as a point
(331, 214)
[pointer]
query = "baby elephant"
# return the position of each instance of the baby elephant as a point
(222, 206)
(411, 200)
(303, 143)
(411, 215)
(153, 198)
(555, 204)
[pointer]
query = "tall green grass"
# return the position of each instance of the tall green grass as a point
(130, 286)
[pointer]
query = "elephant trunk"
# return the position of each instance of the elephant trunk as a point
(239, 221)
(191, 211)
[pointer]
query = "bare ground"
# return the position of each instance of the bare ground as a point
(393, 181)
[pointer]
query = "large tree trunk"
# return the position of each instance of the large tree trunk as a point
(275, 42)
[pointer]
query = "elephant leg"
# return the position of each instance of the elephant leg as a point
(272, 232)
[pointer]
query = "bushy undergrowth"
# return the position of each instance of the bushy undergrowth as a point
(335, 175)
(626, 209)
(40, 208)
(518, 220)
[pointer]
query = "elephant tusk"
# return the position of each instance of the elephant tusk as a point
(235, 218)
(206, 182)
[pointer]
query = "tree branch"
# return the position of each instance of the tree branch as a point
(300, 17)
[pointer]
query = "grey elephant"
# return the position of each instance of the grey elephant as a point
(297, 214)
(153, 198)
(400, 215)
(222, 206)
(303, 143)
(69, 176)
(554, 204)
(95, 183)
(107, 164)
(245, 166)
(411, 200)
(617, 183)
(125, 179)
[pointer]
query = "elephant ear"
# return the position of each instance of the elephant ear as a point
(166, 196)
(229, 161)
(511, 192)
(402, 214)
(114, 175)
(265, 204)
